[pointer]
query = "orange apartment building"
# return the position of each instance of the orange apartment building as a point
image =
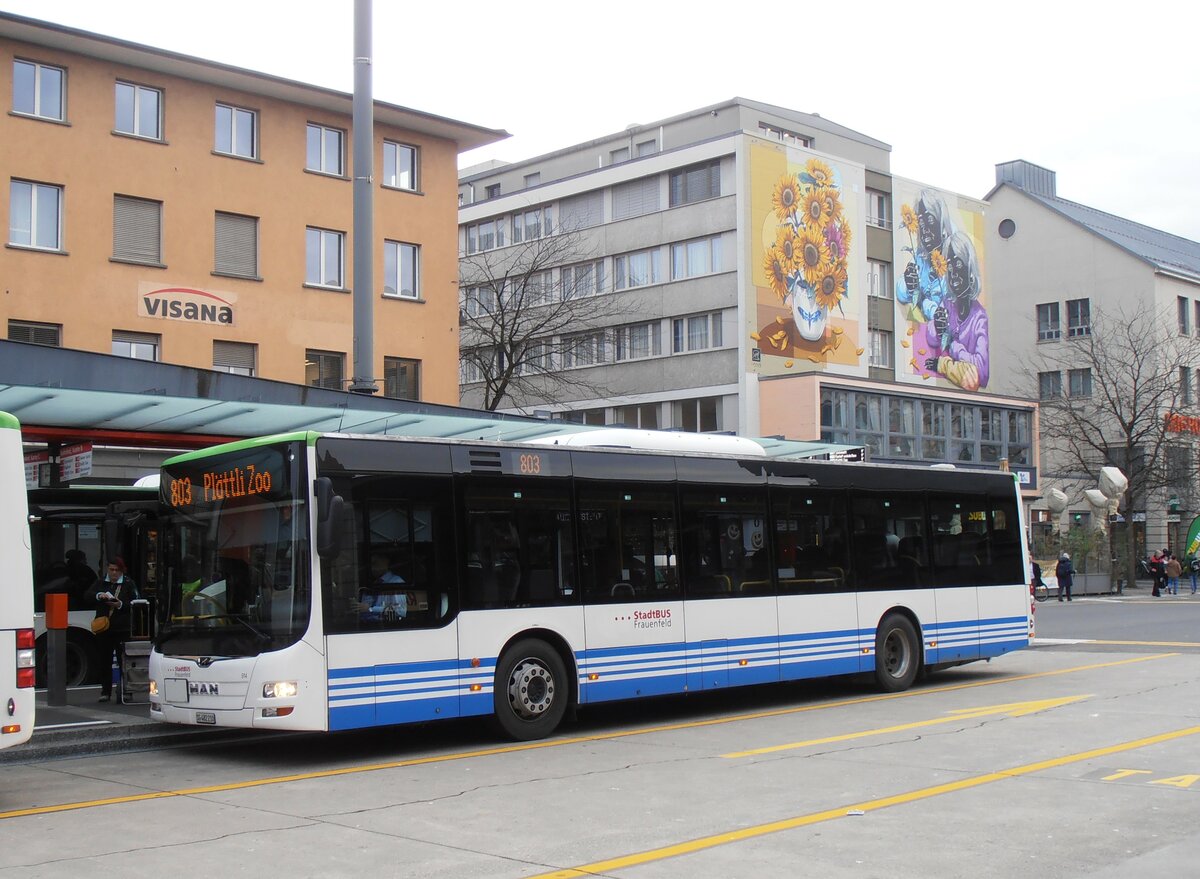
(170, 208)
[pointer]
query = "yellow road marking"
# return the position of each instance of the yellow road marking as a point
(554, 743)
(1014, 709)
(684, 848)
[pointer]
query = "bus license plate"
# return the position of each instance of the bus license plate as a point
(206, 717)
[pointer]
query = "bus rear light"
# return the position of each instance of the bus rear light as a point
(10, 728)
(25, 678)
(283, 711)
(25, 639)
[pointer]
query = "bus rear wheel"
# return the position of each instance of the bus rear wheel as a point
(897, 653)
(530, 694)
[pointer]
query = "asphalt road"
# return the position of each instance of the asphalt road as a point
(1079, 756)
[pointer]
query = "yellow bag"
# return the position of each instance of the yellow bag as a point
(100, 624)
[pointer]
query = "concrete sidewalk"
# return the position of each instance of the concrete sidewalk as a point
(85, 726)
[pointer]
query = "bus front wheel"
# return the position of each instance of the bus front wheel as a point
(897, 653)
(530, 690)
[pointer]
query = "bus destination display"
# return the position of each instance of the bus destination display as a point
(219, 485)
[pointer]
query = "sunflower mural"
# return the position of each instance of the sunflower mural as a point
(939, 287)
(806, 240)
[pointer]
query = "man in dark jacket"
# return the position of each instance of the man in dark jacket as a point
(1065, 572)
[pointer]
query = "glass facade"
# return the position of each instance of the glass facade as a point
(903, 429)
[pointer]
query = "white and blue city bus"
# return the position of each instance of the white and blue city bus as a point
(329, 582)
(17, 661)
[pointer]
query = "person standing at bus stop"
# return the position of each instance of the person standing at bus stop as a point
(1065, 572)
(1174, 570)
(117, 590)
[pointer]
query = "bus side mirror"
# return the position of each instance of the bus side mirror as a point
(329, 518)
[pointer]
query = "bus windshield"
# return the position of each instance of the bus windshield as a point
(235, 548)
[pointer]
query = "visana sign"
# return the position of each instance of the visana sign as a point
(186, 304)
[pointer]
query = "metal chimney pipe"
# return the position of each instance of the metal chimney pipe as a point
(363, 381)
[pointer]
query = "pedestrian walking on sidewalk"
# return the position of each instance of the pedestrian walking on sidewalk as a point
(117, 590)
(1064, 570)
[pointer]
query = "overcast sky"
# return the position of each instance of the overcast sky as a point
(1107, 96)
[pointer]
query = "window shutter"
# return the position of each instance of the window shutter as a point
(582, 211)
(237, 245)
(635, 198)
(234, 355)
(37, 334)
(135, 338)
(137, 229)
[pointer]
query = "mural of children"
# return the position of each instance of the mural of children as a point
(930, 223)
(956, 338)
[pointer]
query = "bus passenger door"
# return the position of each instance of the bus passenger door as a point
(732, 623)
(633, 608)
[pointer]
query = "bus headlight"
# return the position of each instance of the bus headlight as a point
(153, 687)
(280, 690)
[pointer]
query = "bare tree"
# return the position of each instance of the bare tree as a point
(527, 311)
(1124, 380)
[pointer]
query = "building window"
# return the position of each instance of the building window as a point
(584, 349)
(881, 349)
(1197, 321)
(236, 131)
(635, 198)
(399, 166)
(326, 152)
(698, 332)
(1049, 327)
(783, 135)
(1079, 382)
(879, 279)
(236, 245)
(1185, 311)
(962, 433)
(492, 190)
(486, 235)
(585, 279)
(401, 378)
(401, 270)
(533, 179)
(617, 156)
(324, 369)
(1185, 385)
(323, 265)
(638, 341)
(902, 428)
(137, 230)
(1079, 318)
(991, 434)
(644, 417)
(478, 301)
(137, 346)
(637, 269)
(696, 416)
(581, 211)
(531, 225)
(38, 90)
(1049, 385)
(35, 215)
(879, 209)
(695, 183)
(237, 358)
(933, 430)
(49, 335)
(139, 111)
(647, 148)
(699, 257)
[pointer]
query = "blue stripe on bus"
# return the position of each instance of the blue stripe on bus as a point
(413, 691)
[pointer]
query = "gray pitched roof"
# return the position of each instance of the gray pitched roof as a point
(1168, 253)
